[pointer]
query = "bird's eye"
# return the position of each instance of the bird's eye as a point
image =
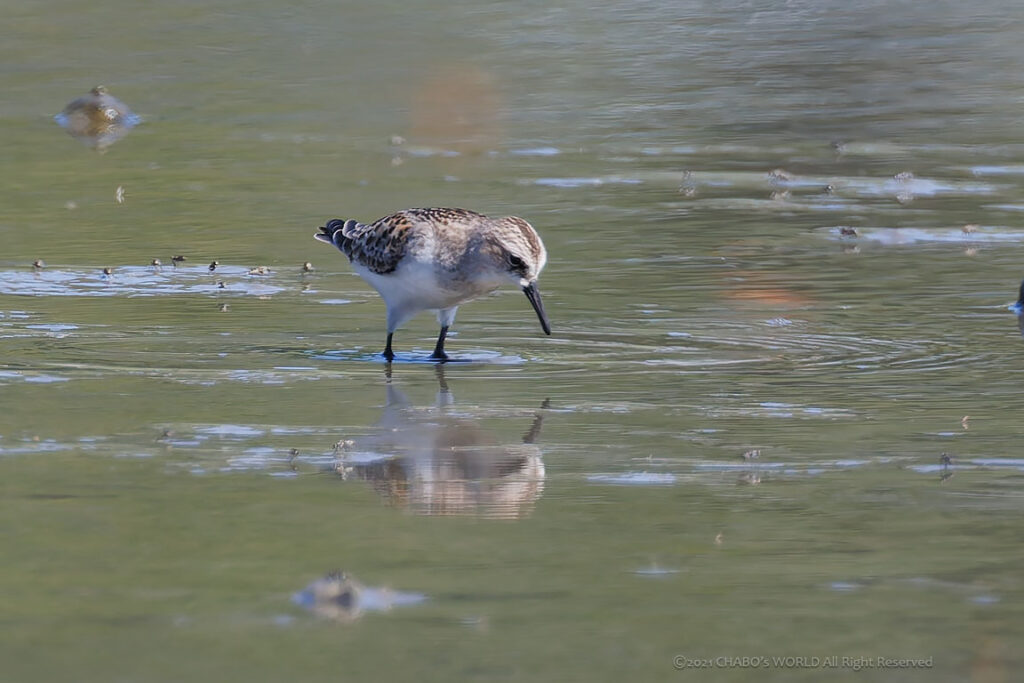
(516, 262)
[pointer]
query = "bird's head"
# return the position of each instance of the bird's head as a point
(518, 255)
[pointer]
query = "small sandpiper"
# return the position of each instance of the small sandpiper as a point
(437, 259)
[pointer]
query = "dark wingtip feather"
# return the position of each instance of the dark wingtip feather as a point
(326, 233)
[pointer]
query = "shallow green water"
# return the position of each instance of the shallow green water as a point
(598, 516)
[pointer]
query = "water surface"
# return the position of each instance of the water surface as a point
(575, 507)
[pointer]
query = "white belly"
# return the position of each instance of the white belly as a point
(415, 285)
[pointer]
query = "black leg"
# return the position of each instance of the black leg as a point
(388, 354)
(439, 353)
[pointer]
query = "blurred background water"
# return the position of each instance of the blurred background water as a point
(782, 240)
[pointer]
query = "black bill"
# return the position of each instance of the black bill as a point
(533, 294)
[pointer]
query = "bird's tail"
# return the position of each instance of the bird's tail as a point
(334, 231)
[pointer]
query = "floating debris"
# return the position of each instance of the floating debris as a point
(98, 119)
(178, 258)
(904, 196)
(947, 472)
(341, 597)
(213, 265)
(687, 184)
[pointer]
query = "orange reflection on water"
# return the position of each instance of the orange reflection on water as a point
(456, 109)
(764, 289)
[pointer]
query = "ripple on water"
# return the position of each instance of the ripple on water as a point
(30, 377)
(655, 571)
(29, 446)
(672, 471)
(569, 183)
(256, 458)
(787, 342)
(535, 152)
(1016, 464)
(1012, 169)
(903, 236)
(975, 594)
(633, 479)
(230, 431)
(136, 281)
(472, 356)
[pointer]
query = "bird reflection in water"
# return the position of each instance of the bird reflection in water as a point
(434, 463)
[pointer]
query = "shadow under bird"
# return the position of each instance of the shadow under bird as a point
(436, 259)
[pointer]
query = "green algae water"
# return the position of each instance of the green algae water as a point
(774, 432)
